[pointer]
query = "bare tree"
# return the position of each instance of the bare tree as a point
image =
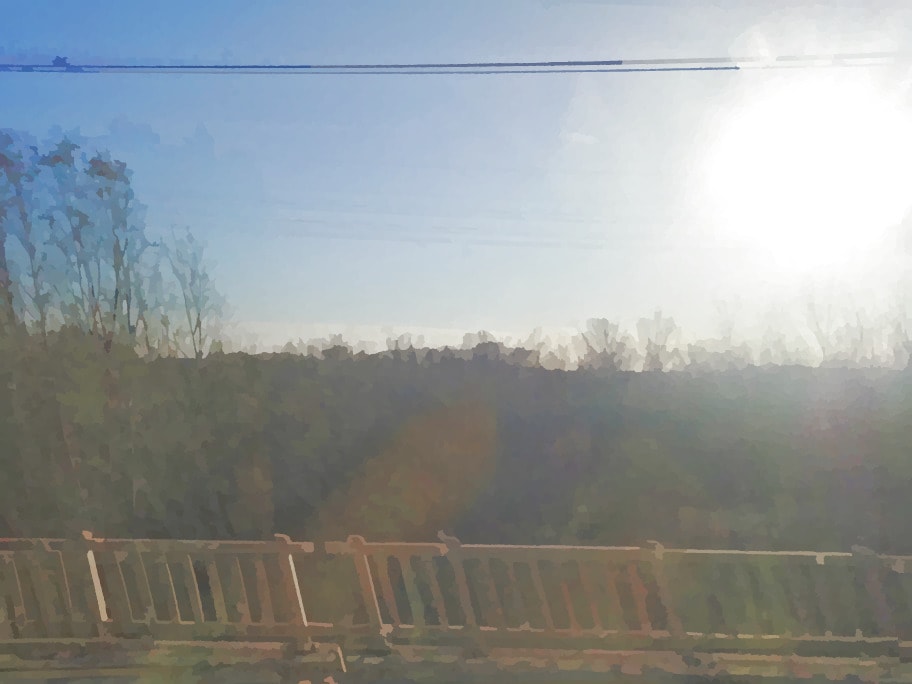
(400, 343)
(606, 346)
(13, 178)
(655, 335)
(69, 213)
(821, 321)
(7, 314)
(120, 221)
(36, 284)
(201, 302)
(88, 262)
(725, 321)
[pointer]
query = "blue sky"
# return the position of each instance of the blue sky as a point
(268, 168)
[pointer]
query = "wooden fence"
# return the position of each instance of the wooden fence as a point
(629, 597)
(157, 588)
(437, 593)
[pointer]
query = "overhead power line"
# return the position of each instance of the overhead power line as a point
(62, 65)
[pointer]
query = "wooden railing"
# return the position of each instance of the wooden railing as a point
(815, 603)
(47, 590)
(448, 592)
(157, 588)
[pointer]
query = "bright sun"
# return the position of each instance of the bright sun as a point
(810, 175)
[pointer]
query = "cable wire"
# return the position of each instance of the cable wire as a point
(62, 65)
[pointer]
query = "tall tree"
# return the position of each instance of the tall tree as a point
(121, 228)
(13, 176)
(69, 214)
(202, 304)
(656, 335)
(606, 346)
(73, 244)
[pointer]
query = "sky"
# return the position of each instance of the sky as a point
(446, 204)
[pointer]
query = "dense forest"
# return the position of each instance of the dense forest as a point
(120, 412)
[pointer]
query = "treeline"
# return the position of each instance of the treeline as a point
(238, 446)
(844, 338)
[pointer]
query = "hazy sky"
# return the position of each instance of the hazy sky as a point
(463, 202)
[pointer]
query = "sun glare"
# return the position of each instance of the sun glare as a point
(809, 176)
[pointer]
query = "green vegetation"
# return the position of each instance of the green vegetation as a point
(236, 446)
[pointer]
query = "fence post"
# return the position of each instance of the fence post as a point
(675, 626)
(100, 601)
(472, 631)
(292, 589)
(377, 639)
(871, 566)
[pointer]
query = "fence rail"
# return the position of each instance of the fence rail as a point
(483, 595)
